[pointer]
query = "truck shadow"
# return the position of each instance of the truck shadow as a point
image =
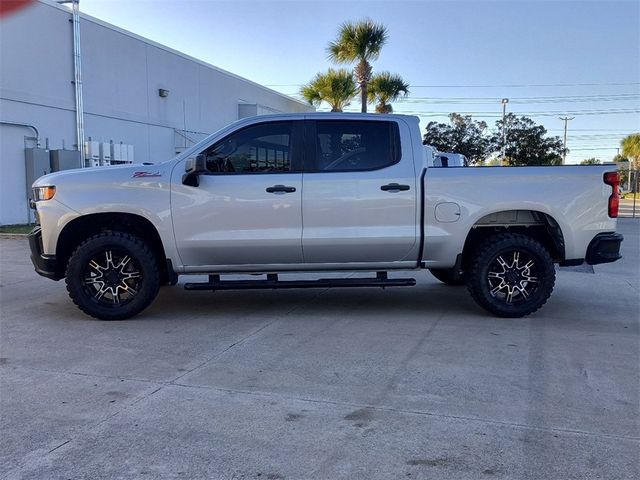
(425, 299)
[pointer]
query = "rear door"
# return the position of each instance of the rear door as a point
(359, 192)
(247, 208)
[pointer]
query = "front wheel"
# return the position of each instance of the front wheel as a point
(511, 275)
(112, 276)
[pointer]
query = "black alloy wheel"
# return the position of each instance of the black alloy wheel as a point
(112, 276)
(511, 275)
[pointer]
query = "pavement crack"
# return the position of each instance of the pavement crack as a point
(143, 397)
(56, 448)
(402, 411)
(222, 352)
(84, 374)
(247, 337)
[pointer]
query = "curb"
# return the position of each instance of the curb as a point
(14, 236)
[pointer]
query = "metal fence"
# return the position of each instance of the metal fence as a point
(630, 184)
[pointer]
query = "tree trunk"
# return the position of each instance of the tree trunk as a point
(363, 96)
(362, 72)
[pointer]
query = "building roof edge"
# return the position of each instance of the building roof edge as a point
(102, 23)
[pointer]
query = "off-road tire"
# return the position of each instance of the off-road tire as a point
(112, 276)
(448, 276)
(485, 277)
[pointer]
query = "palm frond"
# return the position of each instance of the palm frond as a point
(358, 41)
(336, 87)
(385, 88)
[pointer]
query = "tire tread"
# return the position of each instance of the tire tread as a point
(146, 255)
(483, 255)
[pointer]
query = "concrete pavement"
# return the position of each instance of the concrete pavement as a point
(331, 384)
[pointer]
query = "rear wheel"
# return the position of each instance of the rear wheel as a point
(448, 276)
(511, 275)
(112, 276)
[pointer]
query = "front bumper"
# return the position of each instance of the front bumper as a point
(604, 248)
(45, 265)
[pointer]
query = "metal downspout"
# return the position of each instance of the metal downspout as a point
(77, 70)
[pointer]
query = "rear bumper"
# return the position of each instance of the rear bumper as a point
(604, 248)
(45, 265)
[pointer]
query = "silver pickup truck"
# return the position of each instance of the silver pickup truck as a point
(317, 192)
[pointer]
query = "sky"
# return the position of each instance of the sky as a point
(550, 58)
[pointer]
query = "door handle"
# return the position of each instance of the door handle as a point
(394, 187)
(281, 189)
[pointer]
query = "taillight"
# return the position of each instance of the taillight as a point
(613, 179)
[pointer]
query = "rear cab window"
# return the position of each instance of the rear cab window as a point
(353, 145)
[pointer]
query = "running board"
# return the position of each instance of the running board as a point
(272, 282)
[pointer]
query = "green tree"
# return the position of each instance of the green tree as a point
(623, 164)
(462, 135)
(631, 148)
(336, 87)
(527, 143)
(590, 161)
(359, 42)
(385, 88)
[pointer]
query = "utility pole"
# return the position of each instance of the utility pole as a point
(564, 153)
(504, 130)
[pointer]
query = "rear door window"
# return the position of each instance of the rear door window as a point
(354, 145)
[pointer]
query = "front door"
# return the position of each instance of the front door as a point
(247, 208)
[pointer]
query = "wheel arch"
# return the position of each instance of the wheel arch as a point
(536, 224)
(85, 226)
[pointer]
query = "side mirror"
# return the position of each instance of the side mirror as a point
(193, 168)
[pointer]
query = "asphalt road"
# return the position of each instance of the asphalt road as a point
(332, 384)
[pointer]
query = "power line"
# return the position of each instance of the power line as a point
(492, 114)
(526, 101)
(523, 85)
(540, 99)
(544, 97)
(511, 85)
(594, 135)
(594, 148)
(623, 132)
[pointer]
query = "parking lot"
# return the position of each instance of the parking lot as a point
(323, 384)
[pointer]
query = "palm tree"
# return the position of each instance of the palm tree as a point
(631, 146)
(385, 88)
(336, 87)
(631, 149)
(359, 42)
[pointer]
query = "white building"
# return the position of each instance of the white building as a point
(135, 92)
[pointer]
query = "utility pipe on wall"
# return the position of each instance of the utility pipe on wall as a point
(77, 73)
(26, 125)
(77, 69)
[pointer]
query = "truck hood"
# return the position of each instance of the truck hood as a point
(104, 175)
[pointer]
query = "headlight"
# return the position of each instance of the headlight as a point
(43, 193)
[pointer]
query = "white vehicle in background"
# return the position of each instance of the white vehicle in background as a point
(446, 159)
(434, 158)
